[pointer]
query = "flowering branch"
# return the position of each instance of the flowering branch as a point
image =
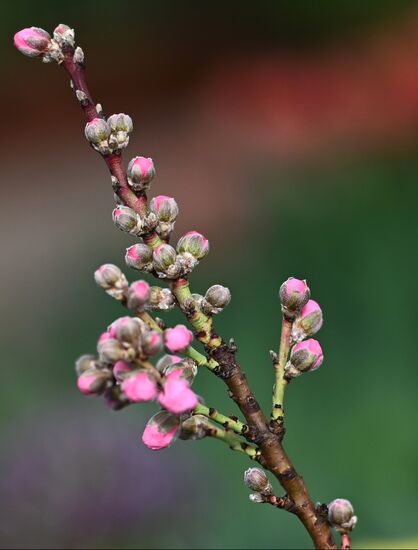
(124, 371)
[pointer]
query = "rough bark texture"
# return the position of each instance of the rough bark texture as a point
(274, 456)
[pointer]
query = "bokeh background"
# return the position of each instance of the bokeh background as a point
(288, 133)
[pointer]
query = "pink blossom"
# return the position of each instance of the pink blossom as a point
(140, 386)
(178, 338)
(176, 395)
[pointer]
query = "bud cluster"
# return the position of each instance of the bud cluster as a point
(108, 136)
(306, 318)
(122, 372)
(36, 42)
(139, 295)
(215, 300)
(165, 261)
(160, 218)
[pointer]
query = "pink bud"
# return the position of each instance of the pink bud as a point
(140, 386)
(165, 208)
(105, 336)
(32, 41)
(195, 244)
(140, 173)
(160, 430)
(308, 322)
(294, 294)
(91, 382)
(125, 329)
(167, 361)
(120, 370)
(176, 395)
(127, 220)
(139, 256)
(178, 338)
(152, 342)
(306, 355)
(138, 295)
(64, 35)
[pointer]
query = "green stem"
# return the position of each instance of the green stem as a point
(234, 442)
(201, 322)
(225, 421)
(281, 382)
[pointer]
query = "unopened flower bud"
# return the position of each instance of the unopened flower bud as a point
(92, 381)
(341, 515)
(138, 295)
(120, 370)
(167, 361)
(83, 363)
(110, 350)
(218, 297)
(164, 260)
(176, 395)
(32, 41)
(294, 294)
(125, 329)
(111, 279)
(308, 322)
(140, 172)
(195, 427)
(121, 126)
(140, 386)
(178, 338)
(98, 133)
(161, 298)
(161, 430)
(139, 256)
(165, 208)
(257, 480)
(127, 220)
(194, 243)
(187, 367)
(108, 275)
(152, 343)
(64, 36)
(305, 356)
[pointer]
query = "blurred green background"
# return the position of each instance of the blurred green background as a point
(288, 133)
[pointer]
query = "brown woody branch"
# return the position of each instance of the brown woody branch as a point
(274, 458)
